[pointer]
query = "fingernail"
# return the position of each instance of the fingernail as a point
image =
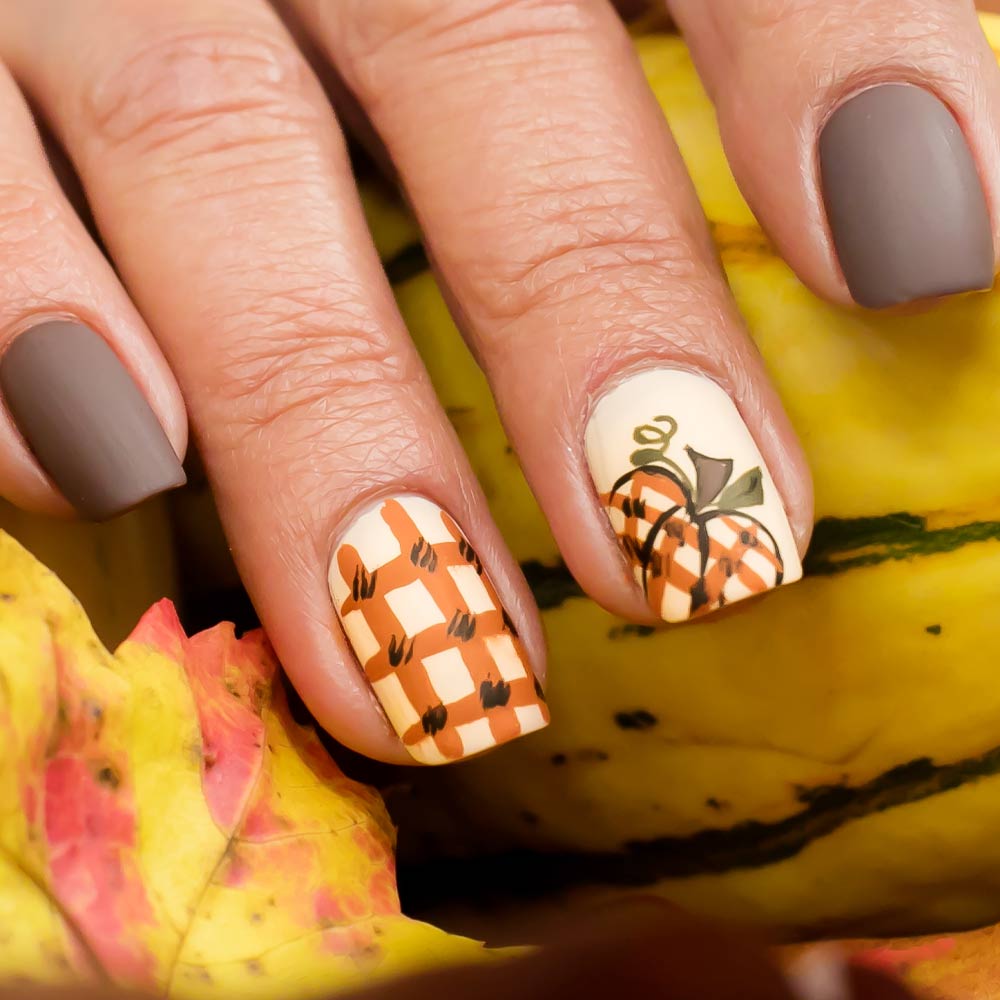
(688, 495)
(819, 973)
(86, 421)
(903, 196)
(440, 652)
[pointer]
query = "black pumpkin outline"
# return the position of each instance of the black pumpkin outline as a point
(699, 519)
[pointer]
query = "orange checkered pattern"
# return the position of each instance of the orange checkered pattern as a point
(743, 559)
(651, 502)
(437, 646)
(695, 563)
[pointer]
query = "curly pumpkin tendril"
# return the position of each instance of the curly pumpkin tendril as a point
(656, 441)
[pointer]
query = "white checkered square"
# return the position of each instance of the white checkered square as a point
(722, 533)
(734, 589)
(529, 718)
(373, 539)
(676, 604)
(427, 517)
(475, 736)
(761, 565)
(475, 595)
(426, 751)
(449, 676)
(414, 608)
(501, 648)
(362, 638)
(340, 589)
(658, 501)
(688, 557)
(397, 706)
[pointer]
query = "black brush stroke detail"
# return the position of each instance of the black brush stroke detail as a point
(423, 556)
(494, 694)
(434, 719)
(363, 586)
(399, 651)
(468, 553)
(462, 625)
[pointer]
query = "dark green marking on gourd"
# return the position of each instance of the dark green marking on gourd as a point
(637, 718)
(933, 629)
(523, 873)
(838, 545)
(629, 629)
(551, 585)
(407, 263)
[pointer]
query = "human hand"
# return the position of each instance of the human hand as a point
(566, 232)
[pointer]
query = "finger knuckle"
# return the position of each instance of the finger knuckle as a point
(611, 245)
(215, 84)
(313, 368)
(28, 211)
(375, 34)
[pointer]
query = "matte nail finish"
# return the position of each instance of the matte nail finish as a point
(904, 199)
(86, 421)
(688, 495)
(428, 628)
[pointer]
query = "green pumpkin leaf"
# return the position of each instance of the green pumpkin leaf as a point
(711, 474)
(747, 491)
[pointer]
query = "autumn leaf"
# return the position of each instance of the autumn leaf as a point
(165, 822)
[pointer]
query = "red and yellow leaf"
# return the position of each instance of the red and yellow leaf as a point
(165, 821)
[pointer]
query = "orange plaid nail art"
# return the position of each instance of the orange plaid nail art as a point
(439, 650)
(697, 536)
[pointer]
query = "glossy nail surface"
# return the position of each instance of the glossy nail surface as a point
(86, 421)
(903, 197)
(688, 495)
(426, 624)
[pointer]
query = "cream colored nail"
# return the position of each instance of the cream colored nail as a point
(688, 494)
(439, 650)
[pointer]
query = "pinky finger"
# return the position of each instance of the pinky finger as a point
(93, 420)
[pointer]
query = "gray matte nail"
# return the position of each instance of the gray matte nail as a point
(904, 199)
(86, 421)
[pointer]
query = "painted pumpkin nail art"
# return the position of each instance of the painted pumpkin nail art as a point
(688, 495)
(427, 626)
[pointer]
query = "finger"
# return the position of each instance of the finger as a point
(864, 136)
(92, 418)
(561, 218)
(646, 951)
(198, 122)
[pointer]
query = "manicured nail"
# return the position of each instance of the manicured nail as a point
(428, 628)
(86, 421)
(688, 494)
(903, 196)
